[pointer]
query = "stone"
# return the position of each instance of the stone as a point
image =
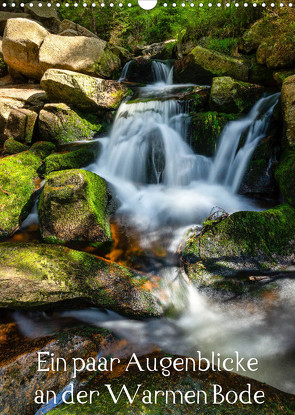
(83, 91)
(68, 25)
(231, 96)
(276, 53)
(257, 34)
(206, 128)
(202, 64)
(60, 124)
(12, 146)
(19, 182)
(285, 176)
(4, 16)
(46, 15)
(72, 159)
(163, 50)
(20, 125)
(21, 42)
(75, 53)
(42, 274)
(75, 194)
(288, 107)
(42, 149)
(240, 245)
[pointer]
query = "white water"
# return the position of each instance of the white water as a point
(162, 184)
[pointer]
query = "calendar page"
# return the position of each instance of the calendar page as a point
(147, 207)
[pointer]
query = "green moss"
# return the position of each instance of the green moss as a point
(225, 45)
(242, 244)
(285, 176)
(12, 146)
(3, 68)
(42, 149)
(75, 194)
(206, 129)
(276, 402)
(40, 274)
(18, 182)
(71, 160)
(108, 64)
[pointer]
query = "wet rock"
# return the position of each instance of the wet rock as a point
(42, 149)
(12, 146)
(201, 65)
(140, 71)
(20, 125)
(18, 183)
(75, 194)
(243, 244)
(21, 42)
(206, 128)
(288, 106)
(60, 124)
(83, 91)
(181, 382)
(285, 176)
(20, 371)
(46, 15)
(230, 96)
(40, 274)
(71, 160)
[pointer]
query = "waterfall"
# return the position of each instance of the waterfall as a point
(162, 72)
(232, 158)
(158, 177)
(124, 72)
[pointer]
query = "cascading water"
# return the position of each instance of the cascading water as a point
(162, 184)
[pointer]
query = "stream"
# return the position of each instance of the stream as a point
(164, 190)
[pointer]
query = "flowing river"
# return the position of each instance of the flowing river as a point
(164, 189)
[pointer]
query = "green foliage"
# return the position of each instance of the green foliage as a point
(131, 26)
(226, 45)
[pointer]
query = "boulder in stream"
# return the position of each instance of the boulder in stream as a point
(60, 124)
(11, 146)
(83, 91)
(34, 275)
(201, 65)
(19, 181)
(239, 246)
(230, 96)
(75, 205)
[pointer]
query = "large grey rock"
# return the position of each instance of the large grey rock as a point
(21, 42)
(68, 25)
(4, 16)
(20, 125)
(82, 91)
(46, 15)
(75, 53)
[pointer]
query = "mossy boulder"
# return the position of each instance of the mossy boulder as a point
(257, 34)
(42, 149)
(83, 91)
(75, 205)
(285, 176)
(18, 184)
(276, 53)
(243, 244)
(108, 65)
(202, 64)
(205, 130)
(39, 274)
(179, 382)
(12, 146)
(231, 96)
(20, 125)
(163, 50)
(72, 159)
(60, 124)
(288, 106)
